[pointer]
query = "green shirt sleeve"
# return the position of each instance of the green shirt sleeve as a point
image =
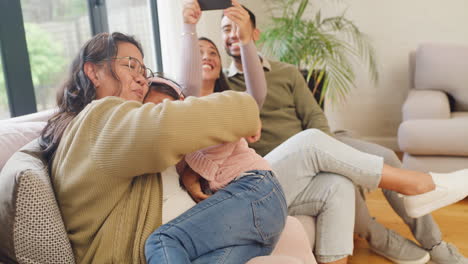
(307, 108)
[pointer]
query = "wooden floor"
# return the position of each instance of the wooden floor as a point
(453, 222)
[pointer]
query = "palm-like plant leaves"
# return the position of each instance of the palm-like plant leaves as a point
(331, 45)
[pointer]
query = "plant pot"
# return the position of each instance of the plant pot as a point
(312, 83)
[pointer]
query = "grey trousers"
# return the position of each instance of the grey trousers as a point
(424, 228)
(310, 167)
(316, 171)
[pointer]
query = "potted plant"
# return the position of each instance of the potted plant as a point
(325, 47)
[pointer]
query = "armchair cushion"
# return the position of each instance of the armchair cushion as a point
(32, 227)
(15, 135)
(441, 164)
(426, 104)
(443, 67)
(435, 136)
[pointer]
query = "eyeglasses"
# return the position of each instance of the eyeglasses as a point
(135, 66)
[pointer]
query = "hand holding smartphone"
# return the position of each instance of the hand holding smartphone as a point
(214, 4)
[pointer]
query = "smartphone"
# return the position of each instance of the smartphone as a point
(214, 4)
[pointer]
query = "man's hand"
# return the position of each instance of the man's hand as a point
(191, 181)
(241, 18)
(191, 12)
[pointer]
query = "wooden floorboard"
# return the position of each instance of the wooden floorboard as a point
(453, 222)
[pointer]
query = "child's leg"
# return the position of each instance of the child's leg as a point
(234, 254)
(248, 212)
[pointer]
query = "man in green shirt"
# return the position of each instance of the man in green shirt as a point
(290, 108)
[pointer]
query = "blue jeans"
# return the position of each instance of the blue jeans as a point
(241, 221)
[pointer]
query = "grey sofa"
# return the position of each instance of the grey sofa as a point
(434, 131)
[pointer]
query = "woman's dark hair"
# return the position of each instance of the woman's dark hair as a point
(78, 90)
(221, 83)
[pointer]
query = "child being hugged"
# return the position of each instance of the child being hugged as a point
(247, 212)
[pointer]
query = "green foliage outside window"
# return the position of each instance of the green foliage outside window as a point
(44, 55)
(46, 64)
(3, 96)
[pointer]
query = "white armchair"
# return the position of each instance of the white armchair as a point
(434, 131)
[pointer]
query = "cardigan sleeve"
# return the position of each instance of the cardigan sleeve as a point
(130, 139)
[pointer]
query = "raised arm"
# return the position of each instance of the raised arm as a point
(254, 75)
(253, 71)
(190, 75)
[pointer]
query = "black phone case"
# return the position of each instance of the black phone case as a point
(214, 4)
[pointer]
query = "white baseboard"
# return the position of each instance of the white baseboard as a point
(389, 142)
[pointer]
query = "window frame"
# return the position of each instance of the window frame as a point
(15, 56)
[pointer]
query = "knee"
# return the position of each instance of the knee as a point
(158, 238)
(342, 191)
(312, 137)
(154, 239)
(313, 133)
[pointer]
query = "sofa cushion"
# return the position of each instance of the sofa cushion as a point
(443, 67)
(15, 135)
(32, 227)
(440, 164)
(447, 137)
(175, 200)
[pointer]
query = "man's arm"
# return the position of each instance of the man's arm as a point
(307, 108)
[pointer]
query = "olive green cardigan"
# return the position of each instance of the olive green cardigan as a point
(105, 172)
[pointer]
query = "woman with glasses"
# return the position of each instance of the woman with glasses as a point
(424, 191)
(104, 147)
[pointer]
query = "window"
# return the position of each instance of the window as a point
(4, 110)
(133, 17)
(39, 54)
(55, 30)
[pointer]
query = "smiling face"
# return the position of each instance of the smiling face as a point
(211, 61)
(230, 38)
(129, 85)
(231, 41)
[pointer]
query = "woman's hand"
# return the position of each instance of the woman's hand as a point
(191, 12)
(191, 181)
(241, 18)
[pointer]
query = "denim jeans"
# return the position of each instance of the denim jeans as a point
(241, 221)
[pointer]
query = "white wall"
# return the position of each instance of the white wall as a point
(396, 27)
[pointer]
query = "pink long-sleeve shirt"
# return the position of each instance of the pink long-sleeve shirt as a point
(220, 164)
